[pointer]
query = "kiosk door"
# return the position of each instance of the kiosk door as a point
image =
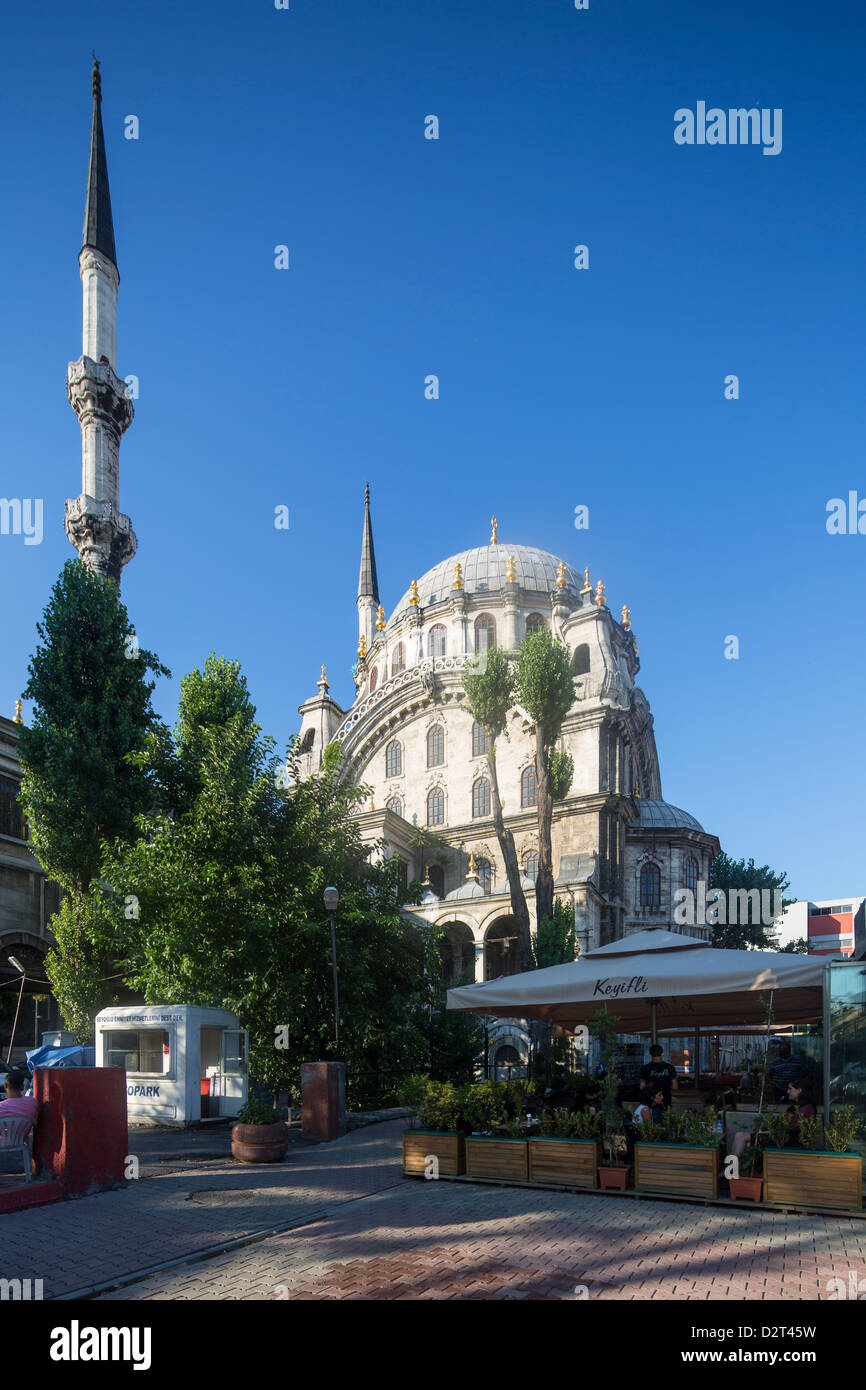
(233, 1070)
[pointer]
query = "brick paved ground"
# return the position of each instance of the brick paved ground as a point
(73, 1245)
(429, 1240)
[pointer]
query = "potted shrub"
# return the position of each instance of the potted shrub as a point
(748, 1182)
(683, 1159)
(256, 1136)
(437, 1135)
(802, 1176)
(497, 1146)
(567, 1151)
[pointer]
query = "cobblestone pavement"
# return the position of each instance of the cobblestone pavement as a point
(429, 1240)
(77, 1244)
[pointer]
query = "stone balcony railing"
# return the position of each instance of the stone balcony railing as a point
(422, 674)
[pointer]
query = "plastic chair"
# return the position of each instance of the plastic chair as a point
(15, 1137)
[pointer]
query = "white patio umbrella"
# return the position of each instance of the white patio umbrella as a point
(687, 983)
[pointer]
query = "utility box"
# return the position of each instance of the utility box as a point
(167, 1052)
(323, 1100)
(81, 1132)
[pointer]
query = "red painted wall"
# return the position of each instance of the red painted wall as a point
(81, 1132)
(323, 1100)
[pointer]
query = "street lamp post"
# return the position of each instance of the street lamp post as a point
(20, 968)
(332, 898)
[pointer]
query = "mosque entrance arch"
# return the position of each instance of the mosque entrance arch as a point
(501, 952)
(457, 949)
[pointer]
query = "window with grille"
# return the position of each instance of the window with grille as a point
(581, 660)
(485, 874)
(436, 806)
(435, 746)
(481, 797)
(650, 886)
(437, 640)
(374, 679)
(528, 787)
(11, 814)
(485, 632)
(691, 874)
(480, 740)
(394, 804)
(535, 623)
(398, 660)
(530, 865)
(393, 759)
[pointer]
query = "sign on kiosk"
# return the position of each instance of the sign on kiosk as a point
(183, 1063)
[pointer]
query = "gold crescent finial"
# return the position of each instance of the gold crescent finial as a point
(414, 596)
(473, 870)
(587, 587)
(599, 594)
(626, 617)
(322, 680)
(561, 581)
(426, 883)
(362, 647)
(458, 576)
(510, 572)
(18, 708)
(495, 527)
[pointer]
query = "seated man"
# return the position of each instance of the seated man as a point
(16, 1106)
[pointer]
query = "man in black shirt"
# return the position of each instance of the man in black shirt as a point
(659, 1075)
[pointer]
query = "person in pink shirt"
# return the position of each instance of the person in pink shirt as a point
(17, 1105)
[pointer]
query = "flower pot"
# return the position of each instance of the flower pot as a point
(614, 1178)
(747, 1188)
(506, 1159)
(572, 1161)
(813, 1178)
(687, 1169)
(446, 1146)
(259, 1143)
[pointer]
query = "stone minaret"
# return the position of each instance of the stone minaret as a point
(368, 584)
(101, 534)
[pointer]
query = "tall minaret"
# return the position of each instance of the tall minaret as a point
(368, 584)
(101, 534)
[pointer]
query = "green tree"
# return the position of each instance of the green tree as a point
(490, 691)
(555, 942)
(81, 784)
(738, 875)
(456, 1038)
(545, 689)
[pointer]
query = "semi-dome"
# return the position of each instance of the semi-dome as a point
(661, 815)
(484, 570)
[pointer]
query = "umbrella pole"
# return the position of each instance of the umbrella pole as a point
(654, 1026)
(697, 1057)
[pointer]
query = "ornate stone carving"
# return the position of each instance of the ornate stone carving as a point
(103, 537)
(96, 393)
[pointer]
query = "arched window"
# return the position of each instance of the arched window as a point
(436, 640)
(480, 739)
(485, 632)
(530, 864)
(485, 874)
(581, 660)
(437, 879)
(435, 746)
(436, 806)
(650, 886)
(393, 759)
(691, 874)
(394, 804)
(374, 679)
(528, 786)
(306, 745)
(398, 660)
(535, 623)
(481, 797)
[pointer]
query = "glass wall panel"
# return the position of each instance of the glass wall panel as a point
(848, 1042)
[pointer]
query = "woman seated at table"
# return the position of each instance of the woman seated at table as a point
(651, 1106)
(801, 1104)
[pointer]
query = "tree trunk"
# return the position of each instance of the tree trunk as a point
(544, 882)
(519, 909)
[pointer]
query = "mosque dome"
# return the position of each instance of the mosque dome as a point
(661, 815)
(484, 571)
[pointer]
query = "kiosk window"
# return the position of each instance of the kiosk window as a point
(138, 1049)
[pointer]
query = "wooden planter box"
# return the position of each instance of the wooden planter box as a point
(682, 1168)
(572, 1161)
(507, 1159)
(446, 1146)
(813, 1178)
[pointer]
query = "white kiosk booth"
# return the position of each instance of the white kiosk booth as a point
(183, 1063)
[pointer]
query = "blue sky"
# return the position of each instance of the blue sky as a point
(559, 387)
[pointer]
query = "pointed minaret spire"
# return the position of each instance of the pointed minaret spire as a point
(97, 528)
(368, 583)
(98, 223)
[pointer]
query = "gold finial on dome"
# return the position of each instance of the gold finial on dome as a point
(626, 617)
(380, 618)
(473, 869)
(587, 587)
(458, 576)
(495, 527)
(18, 707)
(362, 647)
(636, 792)
(561, 581)
(599, 594)
(414, 596)
(372, 802)
(426, 883)
(510, 572)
